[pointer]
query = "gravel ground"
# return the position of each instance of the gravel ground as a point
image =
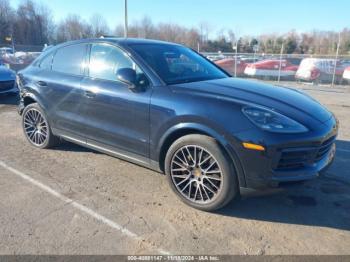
(71, 200)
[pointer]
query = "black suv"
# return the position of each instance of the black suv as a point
(166, 107)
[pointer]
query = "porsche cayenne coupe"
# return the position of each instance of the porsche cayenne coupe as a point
(165, 107)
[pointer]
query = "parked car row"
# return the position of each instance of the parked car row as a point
(316, 70)
(271, 68)
(228, 64)
(19, 57)
(321, 70)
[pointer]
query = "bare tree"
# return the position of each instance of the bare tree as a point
(32, 24)
(99, 26)
(119, 31)
(147, 29)
(6, 19)
(231, 36)
(73, 28)
(204, 31)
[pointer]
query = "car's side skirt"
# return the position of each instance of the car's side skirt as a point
(135, 159)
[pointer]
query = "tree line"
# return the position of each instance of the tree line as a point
(32, 24)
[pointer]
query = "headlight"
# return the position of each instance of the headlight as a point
(272, 121)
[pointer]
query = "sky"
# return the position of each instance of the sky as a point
(244, 17)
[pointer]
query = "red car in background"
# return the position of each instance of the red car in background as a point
(228, 64)
(270, 69)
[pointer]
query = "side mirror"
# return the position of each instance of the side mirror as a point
(127, 76)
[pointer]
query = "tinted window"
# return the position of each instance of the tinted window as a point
(105, 60)
(70, 59)
(46, 62)
(177, 64)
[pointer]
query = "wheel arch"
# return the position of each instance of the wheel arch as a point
(182, 129)
(28, 98)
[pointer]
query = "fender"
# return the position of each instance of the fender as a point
(219, 135)
(30, 92)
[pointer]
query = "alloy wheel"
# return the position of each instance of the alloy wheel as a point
(35, 127)
(196, 174)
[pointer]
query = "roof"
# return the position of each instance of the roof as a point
(135, 41)
(119, 41)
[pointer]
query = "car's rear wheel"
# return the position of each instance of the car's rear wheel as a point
(36, 127)
(201, 173)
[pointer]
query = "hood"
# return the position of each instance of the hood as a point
(6, 74)
(288, 101)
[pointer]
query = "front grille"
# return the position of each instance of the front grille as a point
(294, 158)
(7, 85)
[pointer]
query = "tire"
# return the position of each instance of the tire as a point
(36, 127)
(197, 181)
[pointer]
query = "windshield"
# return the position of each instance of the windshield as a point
(177, 64)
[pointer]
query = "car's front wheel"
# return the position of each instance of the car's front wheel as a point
(201, 173)
(36, 127)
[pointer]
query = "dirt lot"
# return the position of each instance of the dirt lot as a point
(71, 200)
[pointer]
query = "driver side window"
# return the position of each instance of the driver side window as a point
(106, 60)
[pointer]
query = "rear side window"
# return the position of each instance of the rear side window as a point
(70, 59)
(46, 62)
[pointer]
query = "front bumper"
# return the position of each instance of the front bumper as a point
(310, 168)
(287, 158)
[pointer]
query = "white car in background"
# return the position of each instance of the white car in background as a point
(318, 70)
(346, 74)
(6, 50)
(271, 69)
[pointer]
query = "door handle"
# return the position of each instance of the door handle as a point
(89, 94)
(41, 83)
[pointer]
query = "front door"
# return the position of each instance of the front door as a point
(115, 116)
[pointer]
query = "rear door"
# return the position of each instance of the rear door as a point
(60, 85)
